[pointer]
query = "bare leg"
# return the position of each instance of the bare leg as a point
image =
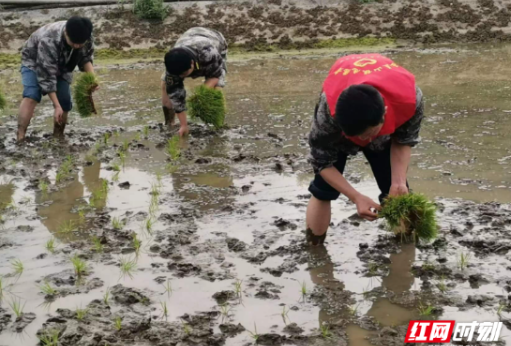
(58, 129)
(318, 219)
(170, 116)
(26, 113)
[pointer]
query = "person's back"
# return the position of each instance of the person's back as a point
(198, 38)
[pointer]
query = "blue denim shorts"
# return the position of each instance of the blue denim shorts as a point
(32, 90)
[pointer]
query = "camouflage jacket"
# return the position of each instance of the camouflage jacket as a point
(47, 53)
(327, 142)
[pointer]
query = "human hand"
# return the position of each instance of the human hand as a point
(365, 206)
(165, 101)
(183, 130)
(398, 190)
(58, 115)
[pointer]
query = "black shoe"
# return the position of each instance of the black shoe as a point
(313, 239)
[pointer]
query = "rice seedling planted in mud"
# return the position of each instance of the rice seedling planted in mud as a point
(425, 310)
(16, 307)
(67, 227)
(285, 313)
(86, 83)
(81, 313)
(238, 287)
(353, 310)
(171, 168)
(253, 334)
(501, 308)
(137, 244)
(106, 138)
(168, 287)
(97, 244)
(115, 177)
(3, 101)
(172, 148)
(164, 310)
(463, 260)
(225, 309)
(116, 167)
(208, 104)
(50, 245)
(47, 289)
(106, 297)
(79, 265)
(149, 225)
(410, 214)
(43, 186)
(145, 131)
(137, 137)
(128, 267)
(117, 224)
(122, 158)
(186, 327)
(18, 267)
(325, 331)
(125, 145)
(49, 338)
(303, 290)
(118, 323)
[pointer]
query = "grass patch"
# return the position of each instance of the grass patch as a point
(411, 214)
(208, 105)
(85, 84)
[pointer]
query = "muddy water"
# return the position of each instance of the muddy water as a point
(464, 154)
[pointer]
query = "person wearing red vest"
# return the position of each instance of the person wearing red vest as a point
(368, 104)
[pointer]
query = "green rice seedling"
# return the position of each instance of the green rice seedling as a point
(117, 224)
(106, 297)
(43, 186)
(122, 158)
(284, 314)
(372, 268)
(3, 100)
(463, 260)
(50, 245)
(238, 287)
(128, 267)
(425, 310)
(104, 187)
(145, 131)
(85, 84)
(501, 308)
(171, 168)
(428, 266)
(137, 244)
(116, 134)
(49, 338)
(353, 310)
(47, 289)
(98, 246)
(18, 267)
(118, 323)
(106, 138)
(116, 167)
(325, 331)
(303, 290)
(16, 307)
(172, 148)
(97, 148)
(67, 226)
(164, 310)
(81, 313)
(442, 287)
(225, 309)
(208, 104)
(186, 327)
(159, 178)
(115, 177)
(125, 145)
(155, 190)
(79, 265)
(90, 158)
(411, 214)
(253, 334)
(137, 137)
(168, 287)
(149, 225)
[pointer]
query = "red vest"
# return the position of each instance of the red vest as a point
(395, 84)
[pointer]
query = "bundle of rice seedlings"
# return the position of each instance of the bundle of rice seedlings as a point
(84, 86)
(3, 101)
(208, 105)
(410, 214)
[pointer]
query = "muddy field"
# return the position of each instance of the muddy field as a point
(208, 249)
(266, 25)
